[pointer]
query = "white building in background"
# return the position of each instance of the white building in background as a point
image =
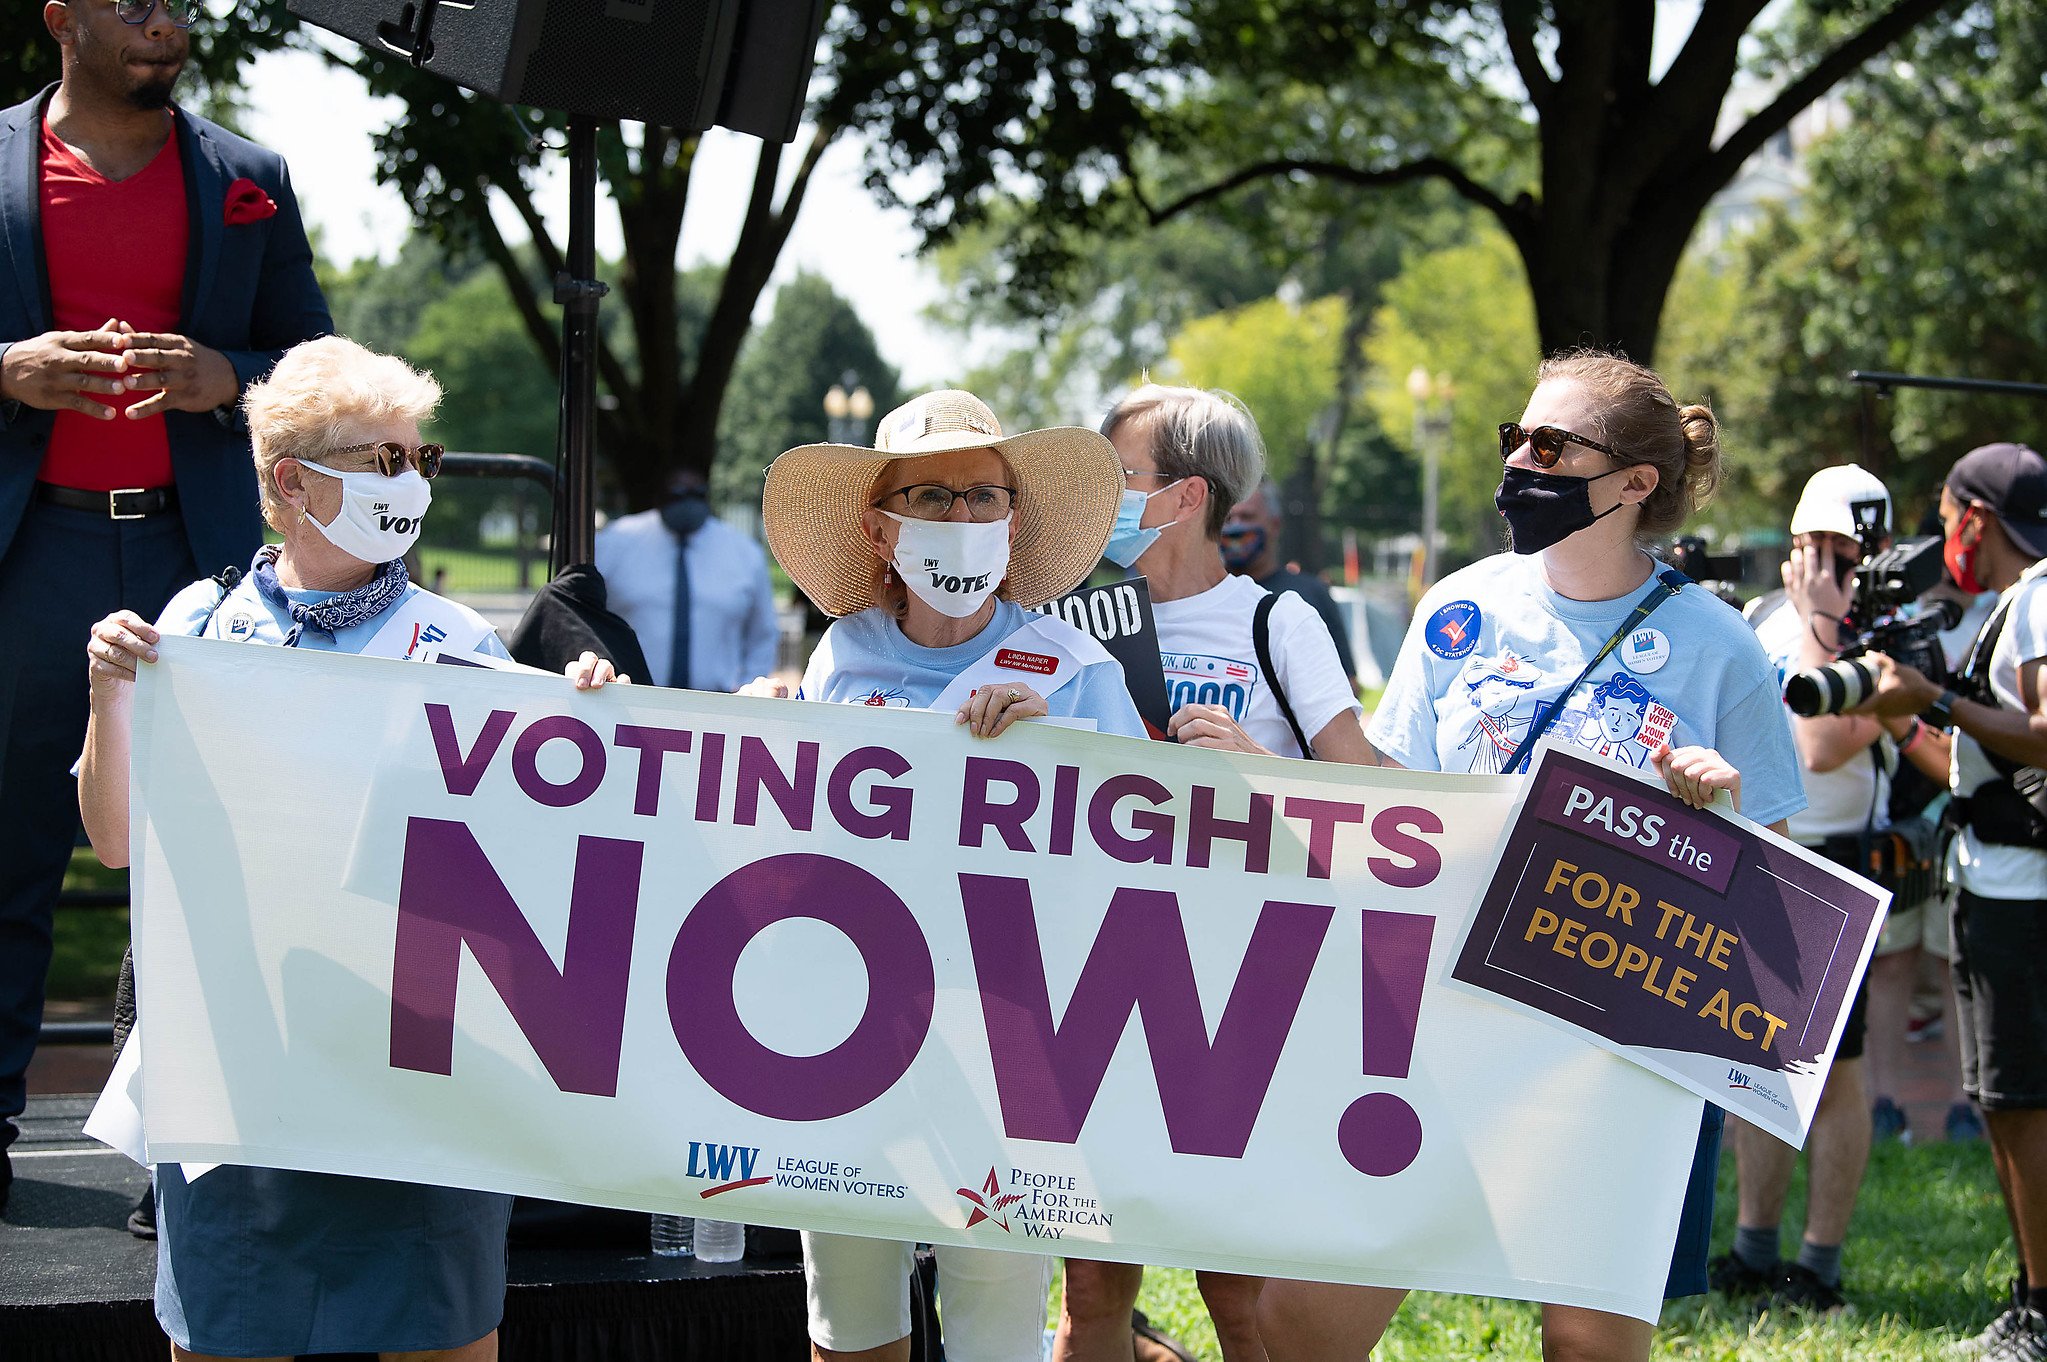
(1776, 174)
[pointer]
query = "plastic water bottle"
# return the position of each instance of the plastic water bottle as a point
(720, 1241)
(672, 1236)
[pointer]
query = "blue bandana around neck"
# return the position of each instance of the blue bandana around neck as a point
(336, 613)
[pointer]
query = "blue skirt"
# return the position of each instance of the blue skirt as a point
(267, 1262)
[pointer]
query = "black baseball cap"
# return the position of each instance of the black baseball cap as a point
(2011, 479)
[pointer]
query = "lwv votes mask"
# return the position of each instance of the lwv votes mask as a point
(379, 517)
(951, 565)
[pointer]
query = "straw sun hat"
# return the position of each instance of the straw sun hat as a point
(1068, 482)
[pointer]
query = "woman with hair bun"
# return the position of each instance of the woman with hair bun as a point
(1580, 636)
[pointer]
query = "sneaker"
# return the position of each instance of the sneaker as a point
(1733, 1277)
(1964, 1125)
(1996, 1332)
(2026, 1341)
(1802, 1289)
(1887, 1121)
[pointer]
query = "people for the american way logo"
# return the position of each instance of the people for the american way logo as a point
(991, 1203)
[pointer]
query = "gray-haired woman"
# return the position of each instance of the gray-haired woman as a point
(1245, 671)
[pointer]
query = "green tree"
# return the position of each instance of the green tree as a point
(1464, 313)
(1279, 360)
(499, 397)
(1916, 249)
(454, 156)
(810, 342)
(380, 304)
(1597, 174)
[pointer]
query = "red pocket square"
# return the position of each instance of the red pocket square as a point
(246, 202)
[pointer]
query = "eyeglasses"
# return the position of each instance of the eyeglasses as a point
(1146, 473)
(933, 501)
(181, 13)
(1546, 443)
(393, 458)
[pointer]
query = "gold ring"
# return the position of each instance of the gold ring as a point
(1015, 696)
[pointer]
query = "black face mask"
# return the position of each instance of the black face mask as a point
(1546, 508)
(685, 514)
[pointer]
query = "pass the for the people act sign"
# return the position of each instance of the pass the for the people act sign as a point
(855, 970)
(1691, 941)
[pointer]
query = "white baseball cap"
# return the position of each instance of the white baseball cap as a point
(1827, 505)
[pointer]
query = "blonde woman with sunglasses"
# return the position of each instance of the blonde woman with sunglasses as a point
(267, 1262)
(1581, 636)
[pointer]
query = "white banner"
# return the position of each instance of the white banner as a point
(852, 969)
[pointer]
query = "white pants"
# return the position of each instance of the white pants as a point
(858, 1293)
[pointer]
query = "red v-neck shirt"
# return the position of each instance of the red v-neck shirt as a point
(113, 248)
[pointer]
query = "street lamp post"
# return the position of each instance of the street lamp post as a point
(1432, 414)
(847, 408)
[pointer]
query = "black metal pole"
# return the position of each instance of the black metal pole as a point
(579, 293)
(1880, 381)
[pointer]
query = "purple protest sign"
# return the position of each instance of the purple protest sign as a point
(1703, 947)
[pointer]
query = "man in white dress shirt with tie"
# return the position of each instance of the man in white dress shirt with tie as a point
(727, 633)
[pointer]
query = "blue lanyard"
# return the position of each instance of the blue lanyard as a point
(1668, 583)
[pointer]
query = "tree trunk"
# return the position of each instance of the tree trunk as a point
(1616, 304)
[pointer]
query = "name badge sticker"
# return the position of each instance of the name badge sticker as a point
(1016, 659)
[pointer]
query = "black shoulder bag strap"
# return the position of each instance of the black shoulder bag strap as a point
(2027, 783)
(1668, 583)
(1261, 639)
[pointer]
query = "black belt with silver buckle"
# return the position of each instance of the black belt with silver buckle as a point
(123, 503)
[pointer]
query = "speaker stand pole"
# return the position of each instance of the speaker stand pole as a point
(579, 292)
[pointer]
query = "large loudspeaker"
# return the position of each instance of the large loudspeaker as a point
(740, 64)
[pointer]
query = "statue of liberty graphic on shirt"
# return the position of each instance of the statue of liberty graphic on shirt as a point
(1497, 688)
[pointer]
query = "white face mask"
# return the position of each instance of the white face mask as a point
(951, 565)
(379, 517)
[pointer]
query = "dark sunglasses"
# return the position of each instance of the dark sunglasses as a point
(393, 458)
(1545, 442)
(180, 12)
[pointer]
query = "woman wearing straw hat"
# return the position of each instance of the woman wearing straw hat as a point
(929, 550)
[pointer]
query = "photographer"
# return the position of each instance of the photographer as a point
(1847, 788)
(1993, 511)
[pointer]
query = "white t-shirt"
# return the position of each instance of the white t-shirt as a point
(1841, 800)
(2002, 872)
(1206, 647)
(1492, 647)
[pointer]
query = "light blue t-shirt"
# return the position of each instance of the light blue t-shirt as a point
(864, 659)
(1491, 648)
(244, 616)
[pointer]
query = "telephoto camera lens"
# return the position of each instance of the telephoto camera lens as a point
(1829, 689)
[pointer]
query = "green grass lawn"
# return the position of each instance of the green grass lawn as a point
(1927, 1262)
(86, 955)
(479, 571)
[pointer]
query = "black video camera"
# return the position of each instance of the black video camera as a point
(1688, 555)
(1886, 582)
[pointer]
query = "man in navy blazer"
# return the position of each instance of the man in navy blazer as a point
(152, 264)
